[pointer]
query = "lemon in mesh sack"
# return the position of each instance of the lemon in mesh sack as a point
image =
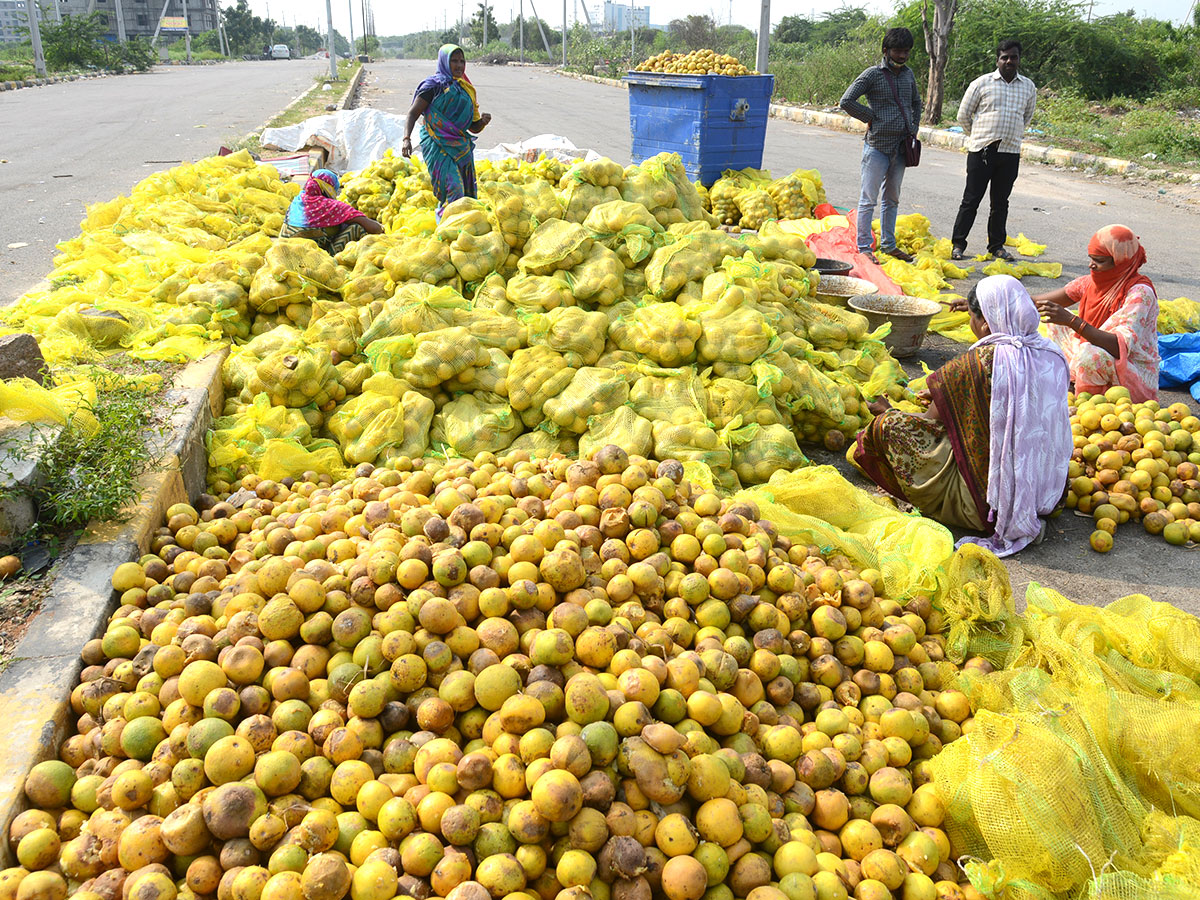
(296, 377)
(537, 373)
(335, 326)
(592, 392)
(555, 244)
(366, 425)
(787, 194)
(294, 270)
(733, 331)
(576, 333)
(367, 251)
(665, 395)
(755, 206)
(492, 294)
(661, 332)
(599, 278)
(419, 259)
(633, 283)
(519, 209)
(626, 228)
(772, 242)
(691, 257)
(477, 256)
(473, 423)
(687, 195)
(363, 290)
(722, 198)
(759, 451)
(464, 214)
(494, 330)
(578, 198)
(621, 427)
(352, 375)
(541, 444)
(429, 359)
(649, 185)
(538, 293)
(601, 172)
(493, 378)
(236, 263)
(105, 329)
(414, 309)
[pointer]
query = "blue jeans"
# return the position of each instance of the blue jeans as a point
(879, 170)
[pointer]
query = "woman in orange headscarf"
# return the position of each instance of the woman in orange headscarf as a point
(1113, 340)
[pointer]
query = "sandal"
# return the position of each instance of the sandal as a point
(869, 256)
(958, 253)
(1003, 254)
(897, 253)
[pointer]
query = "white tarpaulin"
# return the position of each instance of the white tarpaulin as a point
(352, 138)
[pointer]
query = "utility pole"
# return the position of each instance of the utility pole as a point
(564, 34)
(187, 31)
(350, 10)
(35, 37)
(764, 37)
(120, 14)
(632, 33)
(485, 15)
(521, 26)
(329, 40)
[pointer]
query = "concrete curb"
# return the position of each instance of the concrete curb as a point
(350, 97)
(46, 664)
(940, 137)
(56, 79)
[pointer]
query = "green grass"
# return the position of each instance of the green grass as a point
(1123, 128)
(16, 71)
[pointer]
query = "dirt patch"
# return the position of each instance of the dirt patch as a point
(22, 596)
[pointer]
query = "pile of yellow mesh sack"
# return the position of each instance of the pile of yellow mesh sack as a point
(1179, 316)
(1077, 775)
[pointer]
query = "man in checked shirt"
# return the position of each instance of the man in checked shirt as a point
(994, 113)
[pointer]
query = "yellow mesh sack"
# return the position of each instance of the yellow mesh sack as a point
(601, 172)
(537, 373)
(1178, 316)
(756, 207)
(649, 185)
(661, 332)
(759, 451)
(296, 377)
(576, 333)
(24, 400)
(732, 331)
(414, 309)
(818, 506)
(578, 198)
(728, 399)
(538, 293)
(666, 395)
(363, 290)
(541, 444)
(692, 442)
(555, 244)
(519, 209)
(477, 256)
(419, 259)
(289, 459)
(431, 358)
(493, 378)
(474, 423)
(419, 411)
(366, 425)
(621, 427)
(687, 194)
(599, 278)
(494, 331)
(592, 392)
(294, 270)
(336, 326)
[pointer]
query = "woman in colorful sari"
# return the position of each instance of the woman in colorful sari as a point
(318, 215)
(990, 454)
(447, 100)
(1114, 338)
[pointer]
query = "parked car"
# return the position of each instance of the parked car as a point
(281, 51)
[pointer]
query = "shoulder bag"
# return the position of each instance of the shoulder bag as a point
(910, 144)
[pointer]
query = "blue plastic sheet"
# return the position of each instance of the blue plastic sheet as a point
(1180, 366)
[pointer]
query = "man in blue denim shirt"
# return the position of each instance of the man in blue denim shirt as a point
(887, 124)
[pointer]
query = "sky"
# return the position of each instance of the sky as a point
(407, 16)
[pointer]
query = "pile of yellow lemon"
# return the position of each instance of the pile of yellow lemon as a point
(698, 62)
(1135, 461)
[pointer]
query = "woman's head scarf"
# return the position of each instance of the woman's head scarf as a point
(317, 205)
(1106, 290)
(1030, 425)
(442, 78)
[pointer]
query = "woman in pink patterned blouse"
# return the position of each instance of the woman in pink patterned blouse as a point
(1113, 340)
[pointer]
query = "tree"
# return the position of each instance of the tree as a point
(245, 31)
(937, 45)
(73, 43)
(369, 44)
(694, 32)
(793, 30)
(476, 25)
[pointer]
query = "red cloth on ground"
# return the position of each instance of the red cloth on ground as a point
(842, 244)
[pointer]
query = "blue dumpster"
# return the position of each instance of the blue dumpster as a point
(714, 122)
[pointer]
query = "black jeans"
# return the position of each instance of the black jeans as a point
(983, 166)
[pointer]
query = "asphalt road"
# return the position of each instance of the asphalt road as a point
(1056, 207)
(64, 146)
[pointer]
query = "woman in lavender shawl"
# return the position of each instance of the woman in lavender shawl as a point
(990, 453)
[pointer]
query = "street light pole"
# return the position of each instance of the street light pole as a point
(120, 14)
(521, 25)
(764, 36)
(350, 10)
(35, 37)
(564, 34)
(329, 40)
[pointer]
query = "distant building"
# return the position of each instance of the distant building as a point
(141, 16)
(617, 17)
(14, 21)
